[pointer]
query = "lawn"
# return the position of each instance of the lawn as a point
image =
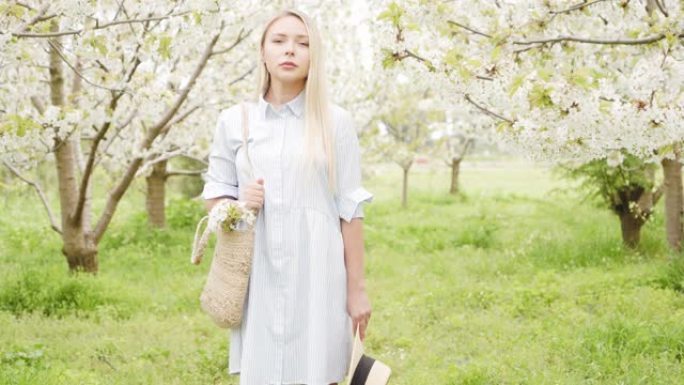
(516, 281)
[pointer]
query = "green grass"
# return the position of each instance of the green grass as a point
(516, 281)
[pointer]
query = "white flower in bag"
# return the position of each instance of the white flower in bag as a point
(231, 216)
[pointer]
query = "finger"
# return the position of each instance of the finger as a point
(260, 181)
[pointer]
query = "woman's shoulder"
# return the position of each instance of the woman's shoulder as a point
(234, 111)
(339, 113)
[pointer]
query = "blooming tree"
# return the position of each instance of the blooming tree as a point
(104, 86)
(565, 81)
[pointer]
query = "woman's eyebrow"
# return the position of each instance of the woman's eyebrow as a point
(280, 34)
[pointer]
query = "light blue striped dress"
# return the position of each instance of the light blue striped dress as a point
(296, 329)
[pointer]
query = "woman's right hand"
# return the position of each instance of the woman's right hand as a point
(253, 194)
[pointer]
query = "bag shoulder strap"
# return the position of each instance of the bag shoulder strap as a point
(245, 135)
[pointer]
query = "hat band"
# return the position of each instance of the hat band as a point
(362, 370)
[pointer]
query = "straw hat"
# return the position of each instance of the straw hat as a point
(365, 370)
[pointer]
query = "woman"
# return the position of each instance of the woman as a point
(307, 287)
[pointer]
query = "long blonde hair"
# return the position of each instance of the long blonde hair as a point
(318, 132)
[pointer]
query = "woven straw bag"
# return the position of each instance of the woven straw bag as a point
(225, 290)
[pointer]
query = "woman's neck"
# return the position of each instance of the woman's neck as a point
(280, 93)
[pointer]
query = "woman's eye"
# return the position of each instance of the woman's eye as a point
(304, 44)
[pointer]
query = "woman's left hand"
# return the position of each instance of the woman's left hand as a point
(359, 309)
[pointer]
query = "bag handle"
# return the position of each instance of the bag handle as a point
(199, 243)
(245, 135)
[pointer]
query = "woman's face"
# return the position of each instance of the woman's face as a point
(286, 50)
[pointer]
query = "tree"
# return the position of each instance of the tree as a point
(131, 69)
(565, 83)
(403, 126)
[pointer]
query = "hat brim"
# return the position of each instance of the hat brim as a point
(357, 353)
(379, 373)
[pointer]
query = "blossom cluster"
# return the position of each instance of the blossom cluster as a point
(229, 215)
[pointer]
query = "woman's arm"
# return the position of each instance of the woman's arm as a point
(358, 304)
(210, 203)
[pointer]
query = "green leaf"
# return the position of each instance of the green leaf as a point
(539, 97)
(18, 125)
(633, 33)
(503, 126)
(544, 74)
(388, 60)
(99, 43)
(412, 26)
(453, 57)
(496, 53)
(516, 84)
(392, 14)
(581, 78)
(165, 46)
(197, 16)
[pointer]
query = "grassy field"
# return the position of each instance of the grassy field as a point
(517, 281)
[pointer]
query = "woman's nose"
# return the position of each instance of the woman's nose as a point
(289, 48)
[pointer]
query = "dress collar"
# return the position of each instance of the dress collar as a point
(296, 106)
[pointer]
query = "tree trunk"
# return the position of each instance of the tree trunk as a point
(404, 189)
(79, 249)
(156, 192)
(631, 229)
(672, 171)
(455, 171)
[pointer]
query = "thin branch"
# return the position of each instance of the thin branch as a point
(78, 73)
(22, 4)
(467, 144)
(88, 171)
(242, 35)
(39, 191)
(125, 181)
(179, 118)
(661, 7)
(469, 29)
(37, 104)
(486, 111)
(577, 6)
(97, 26)
(243, 76)
(35, 19)
(185, 173)
(645, 40)
(203, 161)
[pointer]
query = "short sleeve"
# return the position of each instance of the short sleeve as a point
(221, 176)
(351, 195)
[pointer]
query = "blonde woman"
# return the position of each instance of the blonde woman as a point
(307, 289)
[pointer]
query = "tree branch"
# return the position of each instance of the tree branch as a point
(577, 6)
(469, 29)
(39, 191)
(203, 161)
(184, 173)
(97, 26)
(486, 111)
(242, 35)
(77, 72)
(35, 19)
(88, 171)
(243, 76)
(122, 186)
(645, 40)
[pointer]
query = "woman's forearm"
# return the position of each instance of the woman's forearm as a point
(352, 236)
(209, 203)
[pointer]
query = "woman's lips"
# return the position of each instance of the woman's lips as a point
(288, 64)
